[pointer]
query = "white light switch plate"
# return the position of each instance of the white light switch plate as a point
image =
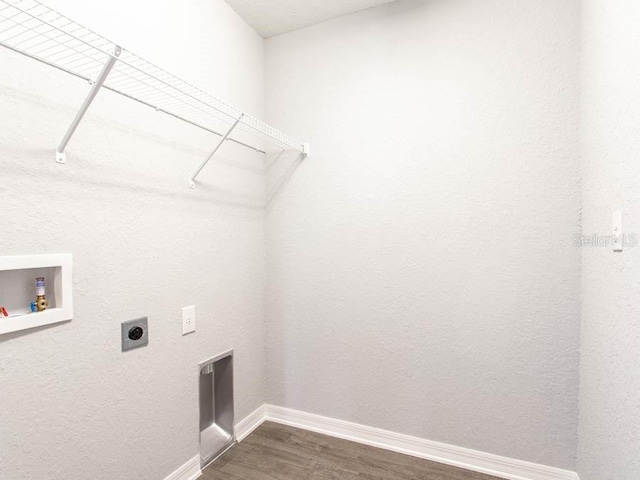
(188, 319)
(618, 234)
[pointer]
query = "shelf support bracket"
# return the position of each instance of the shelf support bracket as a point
(305, 150)
(192, 183)
(61, 156)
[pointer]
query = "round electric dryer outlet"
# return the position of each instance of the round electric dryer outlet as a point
(134, 333)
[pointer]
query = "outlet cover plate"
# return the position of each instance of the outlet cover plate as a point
(618, 233)
(188, 319)
(128, 343)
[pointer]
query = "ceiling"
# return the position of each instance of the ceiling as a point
(273, 17)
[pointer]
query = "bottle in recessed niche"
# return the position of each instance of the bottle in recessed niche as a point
(41, 302)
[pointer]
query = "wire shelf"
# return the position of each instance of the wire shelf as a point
(35, 30)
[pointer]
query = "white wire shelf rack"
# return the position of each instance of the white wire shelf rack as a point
(39, 32)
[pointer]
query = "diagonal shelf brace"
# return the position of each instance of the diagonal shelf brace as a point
(192, 183)
(61, 156)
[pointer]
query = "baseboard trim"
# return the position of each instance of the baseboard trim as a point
(474, 460)
(188, 471)
(247, 425)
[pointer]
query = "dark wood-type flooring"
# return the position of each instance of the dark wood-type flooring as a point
(276, 452)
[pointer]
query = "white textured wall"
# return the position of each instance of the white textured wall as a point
(609, 447)
(421, 276)
(74, 406)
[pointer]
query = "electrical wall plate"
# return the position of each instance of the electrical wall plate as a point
(188, 319)
(135, 333)
(618, 232)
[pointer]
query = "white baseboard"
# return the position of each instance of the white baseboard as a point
(188, 471)
(250, 423)
(466, 458)
(474, 460)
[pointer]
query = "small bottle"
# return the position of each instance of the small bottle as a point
(41, 301)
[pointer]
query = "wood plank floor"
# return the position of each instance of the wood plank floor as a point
(276, 452)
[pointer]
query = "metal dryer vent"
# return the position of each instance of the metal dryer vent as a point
(216, 407)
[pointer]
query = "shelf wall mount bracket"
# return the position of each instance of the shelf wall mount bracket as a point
(192, 182)
(61, 156)
(305, 150)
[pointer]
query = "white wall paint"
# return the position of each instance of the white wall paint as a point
(273, 17)
(421, 273)
(74, 406)
(392, 301)
(609, 447)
